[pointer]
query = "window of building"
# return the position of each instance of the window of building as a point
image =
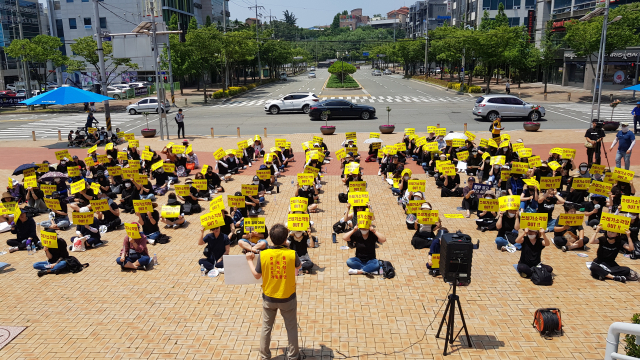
(103, 22)
(87, 23)
(514, 21)
(56, 5)
(69, 1)
(72, 23)
(531, 4)
(508, 4)
(85, 0)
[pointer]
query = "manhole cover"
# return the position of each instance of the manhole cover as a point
(8, 333)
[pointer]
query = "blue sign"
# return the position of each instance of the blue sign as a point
(441, 17)
(366, 53)
(106, 38)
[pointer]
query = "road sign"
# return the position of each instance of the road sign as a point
(366, 53)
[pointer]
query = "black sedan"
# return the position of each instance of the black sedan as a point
(340, 108)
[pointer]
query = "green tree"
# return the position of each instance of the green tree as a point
(490, 47)
(205, 48)
(289, 18)
(335, 24)
(193, 24)
(87, 48)
(37, 51)
(548, 50)
(341, 69)
(522, 56)
(172, 25)
(448, 44)
(409, 52)
(207, 22)
(500, 20)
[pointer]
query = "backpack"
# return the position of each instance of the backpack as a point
(388, 271)
(74, 266)
(635, 254)
(343, 198)
(30, 211)
(541, 277)
(339, 228)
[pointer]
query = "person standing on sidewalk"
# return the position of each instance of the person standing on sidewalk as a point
(496, 127)
(278, 264)
(180, 121)
(636, 117)
(625, 140)
(507, 87)
(594, 136)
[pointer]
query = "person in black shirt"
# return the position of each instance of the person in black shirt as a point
(299, 241)
(451, 186)
(162, 181)
(474, 162)
(213, 180)
(55, 262)
(486, 219)
(567, 237)
(145, 191)
(311, 194)
(508, 225)
(531, 251)
(149, 222)
(91, 233)
(547, 203)
(634, 226)
(129, 193)
(604, 266)
(34, 199)
(254, 241)
(469, 200)
(229, 227)
(217, 245)
(192, 198)
(58, 219)
(174, 222)
(365, 261)
(594, 136)
(593, 209)
(25, 230)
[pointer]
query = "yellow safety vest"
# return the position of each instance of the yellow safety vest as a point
(496, 127)
(278, 272)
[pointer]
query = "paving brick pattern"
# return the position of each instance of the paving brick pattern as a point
(172, 312)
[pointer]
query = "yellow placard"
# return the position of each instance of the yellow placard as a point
(142, 206)
(430, 147)
(48, 189)
(414, 205)
(454, 216)
(92, 149)
(298, 204)
(109, 146)
(52, 204)
(519, 168)
(95, 187)
(134, 164)
(235, 201)
(511, 202)
(49, 239)
(532, 182)
(417, 185)
(30, 182)
(254, 224)
(492, 143)
(427, 217)
(132, 230)
(170, 211)
(83, 218)
(183, 190)
(463, 155)
(249, 190)
(115, 170)
(630, 204)
(219, 154)
(504, 137)
(44, 167)
(317, 139)
(409, 131)
(448, 169)
(305, 179)
(122, 155)
(77, 186)
(568, 153)
(579, 183)
(92, 130)
(485, 155)
(217, 204)
(212, 220)
(128, 173)
(133, 144)
(374, 135)
(517, 147)
(421, 141)
(341, 153)
(550, 182)
(147, 155)
(608, 178)
(407, 172)
(299, 222)
(102, 159)
(525, 153)
(204, 169)
(350, 135)
(488, 205)
(100, 205)
(622, 175)
(505, 174)
(596, 169)
(62, 154)
(534, 161)
(554, 165)
(615, 223)
(169, 167)
(357, 186)
(364, 219)
(200, 184)
(89, 161)
(431, 129)
(8, 208)
(10, 186)
(497, 160)
(141, 179)
(311, 170)
(441, 131)
(504, 144)
(243, 144)
(178, 149)
(29, 172)
(470, 136)
(570, 219)
(600, 188)
(457, 143)
(556, 151)
(73, 171)
(435, 261)
(376, 146)
(360, 198)
(396, 183)
(283, 142)
(129, 136)
(352, 168)
(533, 221)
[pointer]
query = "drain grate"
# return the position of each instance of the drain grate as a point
(8, 333)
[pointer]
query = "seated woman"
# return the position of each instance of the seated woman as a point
(364, 240)
(134, 254)
(58, 219)
(56, 257)
(228, 166)
(213, 181)
(192, 199)
(90, 233)
(311, 194)
(469, 198)
(529, 199)
(567, 237)
(531, 251)
(129, 193)
(546, 204)
(174, 222)
(218, 244)
(192, 158)
(508, 227)
(451, 186)
(202, 194)
(300, 242)
(254, 241)
(426, 233)
(593, 209)
(149, 222)
(604, 266)
(25, 230)
(109, 220)
(145, 191)
(162, 181)
(34, 199)
(486, 219)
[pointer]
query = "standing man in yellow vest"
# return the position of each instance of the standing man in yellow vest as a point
(277, 266)
(496, 126)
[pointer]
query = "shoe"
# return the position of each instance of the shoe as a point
(503, 249)
(168, 226)
(621, 279)
(379, 172)
(42, 273)
(244, 167)
(268, 192)
(250, 165)
(151, 241)
(523, 275)
(221, 270)
(13, 249)
(564, 249)
(103, 229)
(311, 223)
(142, 268)
(353, 272)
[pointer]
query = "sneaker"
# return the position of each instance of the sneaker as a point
(311, 223)
(621, 279)
(523, 275)
(221, 270)
(379, 172)
(151, 241)
(103, 229)
(168, 226)
(244, 167)
(42, 273)
(268, 192)
(503, 249)
(564, 249)
(142, 268)
(13, 249)
(353, 272)
(250, 165)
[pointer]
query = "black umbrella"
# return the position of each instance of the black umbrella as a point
(24, 167)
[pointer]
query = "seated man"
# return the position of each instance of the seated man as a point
(34, 199)
(567, 237)
(531, 247)
(58, 219)
(56, 257)
(365, 240)
(254, 241)
(25, 230)
(174, 222)
(218, 244)
(299, 241)
(469, 200)
(108, 220)
(213, 181)
(134, 254)
(508, 227)
(604, 266)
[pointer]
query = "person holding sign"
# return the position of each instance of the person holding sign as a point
(145, 190)
(469, 199)
(426, 233)
(252, 240)
(58, 217)
(149, 221)
(299, 241)
(25, 230)
(531, 247)
(547, 203)
(311, 194)
(173, 219)
(191, 198)
(227, 166)
(451, 186)
(129, 193)
(570, 235)
(604, 266)
(134, 254)
(34, 198)
(364, 240)
(56, 256)
(578, 185)
(109, 219)
(162, 181)
(487, 216)
(508, 227)
(218, 245)
(213, 181)
(91, 233)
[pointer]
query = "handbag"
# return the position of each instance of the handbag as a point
(191, 166)
(588, 145)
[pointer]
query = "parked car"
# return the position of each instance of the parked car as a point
(298, 101)
(116, 93)
(341, 108)
(11, 87)
(21, 93)
(7, 92)
(490, 107)
(283, 76)
(312, 75)
(388, 72)
(37, 92)
(376, 73)
(122, 87)
(148, 104)
(140, 84)
(313, 68)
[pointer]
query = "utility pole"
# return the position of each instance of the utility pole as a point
(258, 40)
(173, 98)
(156, 68)
(635, 79)
(103, 79)
(224, 31)
(25, 66)
(426, 47)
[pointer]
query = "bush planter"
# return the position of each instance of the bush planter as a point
(327, 130)
(387, 129)
(611, 125)
(531, 126)
(148, 133)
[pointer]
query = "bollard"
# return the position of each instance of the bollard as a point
(185, 102)
(265, 132)
(438, 125)
(520, 95)
(33, 134)
(465, 127)
(59, 135)
(212, 132)
(238, 131)
(569, 97)
(610, 97)
(545, 96)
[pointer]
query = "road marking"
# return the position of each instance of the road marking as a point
(585, 121)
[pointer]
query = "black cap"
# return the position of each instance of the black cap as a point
(238, 193)
(350, 153)
(256, 178)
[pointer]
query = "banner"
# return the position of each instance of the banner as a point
(550, 182)
(216, 204)
(114, 170)
(299, 222)
(622, 175)
(219, 154)
(580, 183)
(141, 179)
(200, 184)
(417, 185)
(263, 174)
(414, 205)
(170, 211)
(84, 218)
(183, 190)
(519, 168)
(77, 186)
(49, 239)
(236, 201)
(357, 186)
(364, 219)
(600, 188)
(100, 205)
(571, 219)
(511, 202)
(488, 205)
(359, 198)
(305, 179)
(534, 161)
(142, 206)
(427, 217)
(298, 204)
(212, 220)
(254, 224)
(630, 204)
(615, 223)
(596, 169)
(132, 231)
(533, 221)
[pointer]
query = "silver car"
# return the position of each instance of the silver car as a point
(149, 104)
(312, 75)
(376, 73)
(491, 107)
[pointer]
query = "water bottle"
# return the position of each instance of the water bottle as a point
(155, 259)
(202, 270)
(333, 237)
(29, 247)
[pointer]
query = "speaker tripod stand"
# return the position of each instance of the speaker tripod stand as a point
(451, 309)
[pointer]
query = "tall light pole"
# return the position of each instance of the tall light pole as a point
(103, 78)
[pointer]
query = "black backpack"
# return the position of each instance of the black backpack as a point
(540, 276)
(635, 254)
(339, 227)
(74, 266)
(343, 198)
(388, 271)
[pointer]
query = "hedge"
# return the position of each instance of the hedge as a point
(235, 90)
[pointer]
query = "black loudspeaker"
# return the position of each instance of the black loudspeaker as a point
(456, 255)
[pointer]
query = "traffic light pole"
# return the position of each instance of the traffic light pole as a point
(103, 80)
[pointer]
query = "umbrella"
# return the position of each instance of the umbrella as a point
(372, 140)
(455, 135)
(634, 88)
(24, 167)
(52, 175)
(65, 95)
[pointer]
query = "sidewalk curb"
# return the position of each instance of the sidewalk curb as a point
(439, 87)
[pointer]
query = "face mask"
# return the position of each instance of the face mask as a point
(426, 228)
(583, 168)
(417, 198)
(564, 161)
(127, 185)
(611, 235)
(532, 236)
(496, 166)
(56, 180)
(62, 162)
(160, 171)
(511, 214)
(256, 182)
(597, 206)
(624, 130)
(297, 234)
(406, 178)
(364, 232)
(305, 187)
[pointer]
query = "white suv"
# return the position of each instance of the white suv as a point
(297, 101)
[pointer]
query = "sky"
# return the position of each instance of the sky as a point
(311, 13)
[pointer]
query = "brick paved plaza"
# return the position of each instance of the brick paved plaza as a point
(172, 312)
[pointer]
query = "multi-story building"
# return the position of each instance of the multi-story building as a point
(212, 9)
(252, 21)
(400, 14)
(427, 15)
(354, 20)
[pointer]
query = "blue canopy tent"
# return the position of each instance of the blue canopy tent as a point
(65, 95)
(633, 88)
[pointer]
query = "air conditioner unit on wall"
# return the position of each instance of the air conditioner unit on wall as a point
(516, 7)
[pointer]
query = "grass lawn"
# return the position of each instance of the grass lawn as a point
(334, 82)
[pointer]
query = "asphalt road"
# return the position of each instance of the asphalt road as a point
(413, 104)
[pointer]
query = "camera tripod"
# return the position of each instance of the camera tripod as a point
(451, 309)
